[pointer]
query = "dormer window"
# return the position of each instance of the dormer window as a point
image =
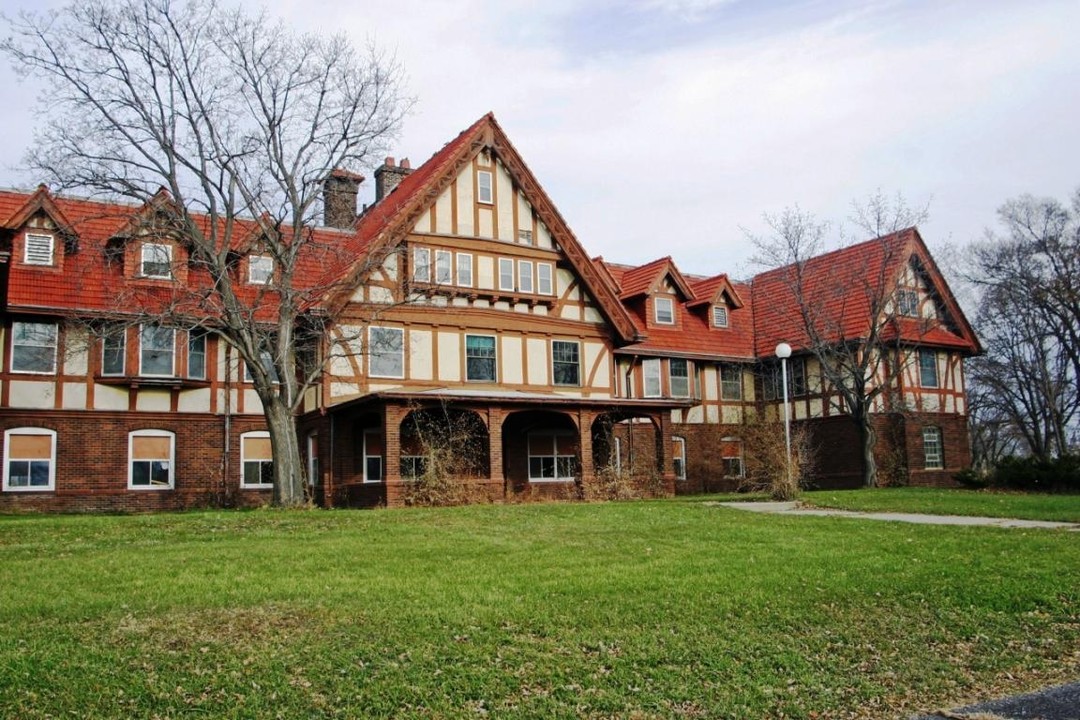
(907, 302)
(39, 249)
(260, 269)
(156, 261)
(664, 311)
(720, 316)
(484, 192)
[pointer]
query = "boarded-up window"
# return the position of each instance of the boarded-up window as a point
(150, 454)
(256, 460)
(30, 455)
(678, 457)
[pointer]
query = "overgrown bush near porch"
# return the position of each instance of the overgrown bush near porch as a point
(612, 483)
(444, 451)
(766, 461)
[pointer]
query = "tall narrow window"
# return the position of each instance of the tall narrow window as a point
(113, 350)
(386, 352)
(525, 276)
(797, 367)
(731, 457)
(421, 265)
(664, 311)
(484, 191)
(156, 261)
(157, 351)
(33, 347)
(480, 358)
(260, 269)
(196, 358)
(443, 269)
(39, 249)
(256, 460)
(928, 375)
(464, 269)
(651, 373)
(545, 285)
(679, 377)
(730, 382)
(150, 459)
(506, 274)
(678, 457)
(565, 362)
(29, 459)
(933, 458)
(373, 455)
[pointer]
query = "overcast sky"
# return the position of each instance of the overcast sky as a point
(668, 126)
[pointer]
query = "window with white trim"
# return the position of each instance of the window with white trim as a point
(525, 276)
(196, 362)
(720, 316)
(157, 351)
(544, 275)
(565, 362)
(650, 371)
(731, 457)
(933, 456)
(480, 358)
(33, 347)
(421, 265)
(679, 377)
(928, 370)
(506, 274)
(38, 249)
(730, 382)
(907, 302)
(373, 455)
(552, 456)
(386, 352)
(151, 456)
(29, 459)
(156, 261)
(256, 460)
(678, 457)
(443, 267)
(664, 311)
(464, 269)
(267, 361)
(260, 269)
(484, 192)
(113, 350)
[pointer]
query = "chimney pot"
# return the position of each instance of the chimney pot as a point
(389, 161)
(405, 164)
(388, 176)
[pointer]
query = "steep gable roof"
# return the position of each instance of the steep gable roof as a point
(709, 291)
(644, 279)
(383, 226)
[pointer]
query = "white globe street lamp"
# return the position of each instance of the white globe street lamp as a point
(783, 351)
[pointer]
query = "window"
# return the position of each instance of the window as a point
(29, 459)
(150, 459)
(483, 187)
(373, 455)
(933, 459)
(665, 313)
(39, 249)
(260, 269)
(443, 268)
(480, 358)
(464, 269)
(386, 352)
(651, 373)
(552, 457)
(113, 350)
(543, 279)
(525, 276)
(679, 377)
(156, 261)
(730, 382)
(772, 386)
(157, 349)
(719, 316)
(525, 236)
(731, 457)
(565, 369)
(928, 376)
(797, 368)
(196, 354)
(421, 265)
(678, 457)
(907, 302)
(506, 274)
(256, 460)
(413, 466)
(267, 361)
(33, 347)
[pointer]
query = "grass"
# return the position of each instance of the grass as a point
(646, 609)
(985, 503)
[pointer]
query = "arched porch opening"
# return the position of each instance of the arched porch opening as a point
(444, 442)
(628, 454)
(541, 454)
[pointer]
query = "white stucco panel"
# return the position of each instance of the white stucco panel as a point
(196, 400)
(152, 401)
(31, 394)
(510, 363)
(420, 355)
(537, 350)
(485, 272)
(695, 415)
(449, 345)
(74, 396)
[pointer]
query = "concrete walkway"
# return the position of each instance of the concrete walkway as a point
(795, 508)
(1056, 703)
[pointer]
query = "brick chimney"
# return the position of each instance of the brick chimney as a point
(339, 199)
(388, 176)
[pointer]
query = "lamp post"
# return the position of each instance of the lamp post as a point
(783, 351)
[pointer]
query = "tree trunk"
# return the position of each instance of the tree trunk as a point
(288, 465)
(868, 438)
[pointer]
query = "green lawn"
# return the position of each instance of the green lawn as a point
(648, 609)
(985, 503)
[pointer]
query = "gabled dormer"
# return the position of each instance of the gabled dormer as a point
(149, 245)
(42, 236)
(716, 299)
(657, 291)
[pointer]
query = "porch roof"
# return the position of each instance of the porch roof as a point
(515, 397)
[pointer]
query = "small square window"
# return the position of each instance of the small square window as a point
(484, 191)
(386, 352)
(525, 236)
(719, 316)
(157, 351)
(664, 311)
(156, 261)
(260, 269)
(39, 249)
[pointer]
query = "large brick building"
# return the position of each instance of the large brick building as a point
(490, 317)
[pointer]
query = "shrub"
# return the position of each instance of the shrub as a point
(609, 483)
(1060, 474)
(972, 479)
(766, 462)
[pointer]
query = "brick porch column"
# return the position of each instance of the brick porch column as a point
(666, 464)
(392, 417)
(495, 418)
(585, 448)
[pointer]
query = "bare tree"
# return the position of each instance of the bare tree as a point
(847, 313)
(227, 124)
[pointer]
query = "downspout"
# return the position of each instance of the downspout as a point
(226, 444)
